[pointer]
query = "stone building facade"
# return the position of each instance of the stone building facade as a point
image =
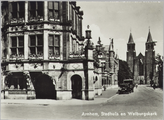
(142, 67)
(44, 54)
(108, 63)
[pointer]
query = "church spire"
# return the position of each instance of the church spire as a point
(130, 39)
(111, 48)
(149, 38)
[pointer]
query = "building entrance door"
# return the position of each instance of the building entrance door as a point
(76, 86)
(44, 87)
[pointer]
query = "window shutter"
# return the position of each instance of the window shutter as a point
(50, 5)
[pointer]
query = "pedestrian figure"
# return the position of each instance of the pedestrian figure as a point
(104, 87)
(154, 86)
(136, 85)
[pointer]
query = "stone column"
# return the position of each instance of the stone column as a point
(45, 45)
(45, 10)
(26, 11)
(89, 90)
(8, 44)
(26, 45)
(70, 40)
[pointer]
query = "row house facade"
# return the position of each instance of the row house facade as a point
(108, 63)
(44, 54)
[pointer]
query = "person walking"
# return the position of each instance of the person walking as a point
(154, 86)
(136, 85)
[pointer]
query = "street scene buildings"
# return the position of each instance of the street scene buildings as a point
(46, 55)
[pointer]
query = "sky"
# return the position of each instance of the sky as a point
(110, 19)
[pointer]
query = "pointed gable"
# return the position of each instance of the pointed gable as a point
(149, 38)
(130, 39)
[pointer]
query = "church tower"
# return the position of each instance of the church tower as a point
(131, 53)
(149, 59)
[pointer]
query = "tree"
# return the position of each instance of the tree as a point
(159, 63)
(124, 72)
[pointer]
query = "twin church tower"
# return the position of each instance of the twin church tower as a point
(142, 67)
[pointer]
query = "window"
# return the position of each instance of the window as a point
(53, 10)
(36, 9)
(36, 45)
(54, 45)
(17, 9)
(16, 81)
(74, 46)
(17, 46)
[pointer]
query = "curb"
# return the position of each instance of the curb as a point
(58, 102)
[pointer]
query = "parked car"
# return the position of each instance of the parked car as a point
(127, 86)
(123, 88)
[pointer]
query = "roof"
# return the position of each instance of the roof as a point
(131, 39)
(149, 38)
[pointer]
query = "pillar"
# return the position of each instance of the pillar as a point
(26, 11)
(45, 45)
(26, 45)
(45, 10)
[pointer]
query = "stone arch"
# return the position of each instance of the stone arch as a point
(76, 83)
(45, 87)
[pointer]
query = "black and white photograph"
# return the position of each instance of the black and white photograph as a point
(82, 60)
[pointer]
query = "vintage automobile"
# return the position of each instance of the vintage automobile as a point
(123, 88)
(127, 86)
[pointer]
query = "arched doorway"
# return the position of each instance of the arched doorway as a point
(76, 86)
(44, 87)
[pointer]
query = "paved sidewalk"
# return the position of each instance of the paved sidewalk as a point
(106, 95)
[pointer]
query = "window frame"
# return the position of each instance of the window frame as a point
(53, 45)
(36, 10)
(53, 10)
(17, 47)
(35, 46)
(17, 11)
